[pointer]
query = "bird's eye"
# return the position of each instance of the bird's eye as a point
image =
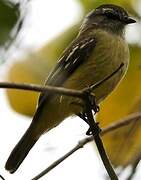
(111, 15)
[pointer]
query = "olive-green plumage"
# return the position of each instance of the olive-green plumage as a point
(97, 51)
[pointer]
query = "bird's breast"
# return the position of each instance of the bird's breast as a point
(108, 54)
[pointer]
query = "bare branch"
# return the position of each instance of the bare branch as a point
(88, 101)
(134, 166)
(52, 89)
(1, 177)
(38, 88)
(106, 78)
(121, 123)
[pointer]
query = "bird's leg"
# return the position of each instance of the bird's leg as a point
(96, 109)
(82, 115)
(94, 105)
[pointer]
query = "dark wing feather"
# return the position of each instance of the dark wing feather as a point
(74, 55)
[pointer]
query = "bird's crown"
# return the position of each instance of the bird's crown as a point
(113, 12)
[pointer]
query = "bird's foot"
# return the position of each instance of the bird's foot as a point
(97, 129)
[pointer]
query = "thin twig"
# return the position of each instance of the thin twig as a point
(114, 126)
(122, 122)
(53, 165)
(134, 166)
(52, 89)
(93, 87)
(38, 88)
(1, 177)
(96, 135)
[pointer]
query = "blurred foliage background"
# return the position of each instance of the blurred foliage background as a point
(124, 100)
(9, 14)
(10, 22)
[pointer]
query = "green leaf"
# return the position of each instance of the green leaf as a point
(9, 14)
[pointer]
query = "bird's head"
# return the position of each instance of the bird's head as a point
(109, 17)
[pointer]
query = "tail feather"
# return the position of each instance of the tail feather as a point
(20, 151)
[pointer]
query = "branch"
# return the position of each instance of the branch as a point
(1, 177)
(57, 90)
(38, 88)
(135, 164)
(93, 87)
(121, 123)
(88, 101)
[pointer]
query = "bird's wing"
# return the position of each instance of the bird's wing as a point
(72, 57)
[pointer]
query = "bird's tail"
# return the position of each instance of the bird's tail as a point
(21, 150)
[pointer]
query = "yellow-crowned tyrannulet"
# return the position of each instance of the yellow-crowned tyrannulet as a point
(97, 51)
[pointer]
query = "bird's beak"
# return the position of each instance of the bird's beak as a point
(129, 20)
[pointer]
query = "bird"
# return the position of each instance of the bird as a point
(98, 49)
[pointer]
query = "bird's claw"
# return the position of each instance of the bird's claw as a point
(97, 129)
